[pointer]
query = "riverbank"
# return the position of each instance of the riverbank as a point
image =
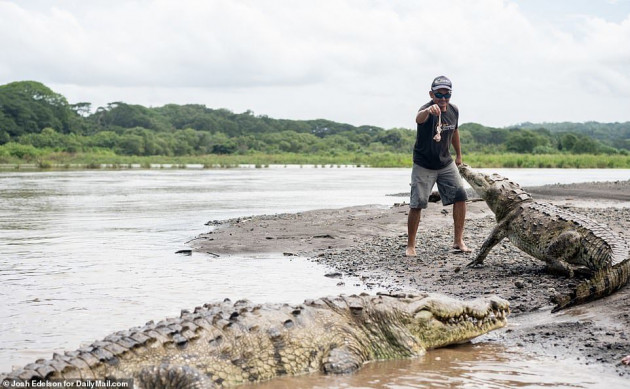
(17, 157)
(368, 242)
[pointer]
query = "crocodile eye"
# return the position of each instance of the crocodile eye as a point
(423, 315)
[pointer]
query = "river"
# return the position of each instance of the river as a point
(85, 253)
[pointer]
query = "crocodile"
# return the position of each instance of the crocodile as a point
(226, 344)
(571, 244)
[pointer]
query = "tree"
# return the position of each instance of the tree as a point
(29, 107)
(222, 144)
(485, 135)
(82, 109)
(585, 145)
(119, 114)
(130, 144)
(47, 138)
(104, 139)
(186, 142)
(4, 137)
(567, 141)
(524, 141)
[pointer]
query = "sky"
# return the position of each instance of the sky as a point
(362, 62)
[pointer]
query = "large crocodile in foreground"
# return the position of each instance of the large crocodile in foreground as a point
(226, 344)
(568, 242)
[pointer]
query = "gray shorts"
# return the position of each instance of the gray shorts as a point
(449, 183)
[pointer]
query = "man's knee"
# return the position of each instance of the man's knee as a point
(459, 205)
(414, 213)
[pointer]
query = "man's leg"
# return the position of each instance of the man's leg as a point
(413, 220)
(452, 190)
(422, 181)
(459, 217)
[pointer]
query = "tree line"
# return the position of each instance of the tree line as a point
(32, 116)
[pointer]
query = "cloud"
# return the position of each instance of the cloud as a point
(358, 61)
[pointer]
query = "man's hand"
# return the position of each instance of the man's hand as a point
(433, 109)
(423, 115)
(458, 160)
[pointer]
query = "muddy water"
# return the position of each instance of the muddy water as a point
(86, 253)
(480, 365)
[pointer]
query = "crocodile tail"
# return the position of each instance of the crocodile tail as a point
(603, 283)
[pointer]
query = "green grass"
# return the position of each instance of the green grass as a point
(47, 159)
(513, 160)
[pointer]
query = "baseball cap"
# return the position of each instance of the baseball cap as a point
(441, 82)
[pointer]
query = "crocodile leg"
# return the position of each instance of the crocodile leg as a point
(559, 253)
(499, 232)
(174, 377)
(342, 360)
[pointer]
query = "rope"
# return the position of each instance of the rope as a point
(438, 129)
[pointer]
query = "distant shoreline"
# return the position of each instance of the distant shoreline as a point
(49, 159)
(609, 190)
(265, 161)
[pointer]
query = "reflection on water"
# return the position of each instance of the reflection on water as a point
(60, 308)
(480, 365)
(86, 253)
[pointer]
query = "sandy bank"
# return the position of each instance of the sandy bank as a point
(368, 242)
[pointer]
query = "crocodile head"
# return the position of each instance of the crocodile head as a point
(438, 320)
(500, 193)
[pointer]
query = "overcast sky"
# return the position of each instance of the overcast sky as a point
(353, 61)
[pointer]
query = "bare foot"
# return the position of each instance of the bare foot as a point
(411, 252)
(626, 360)
(462, 247)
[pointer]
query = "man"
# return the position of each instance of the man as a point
(432, 163)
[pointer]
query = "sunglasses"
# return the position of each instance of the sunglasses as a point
(439, 95)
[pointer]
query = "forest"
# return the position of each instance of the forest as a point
(36, 123)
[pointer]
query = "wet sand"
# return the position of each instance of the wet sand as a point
(368, 242)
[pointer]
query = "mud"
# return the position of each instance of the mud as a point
(368, 242)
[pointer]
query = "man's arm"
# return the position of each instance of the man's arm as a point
(457, 147)
(424, 114)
